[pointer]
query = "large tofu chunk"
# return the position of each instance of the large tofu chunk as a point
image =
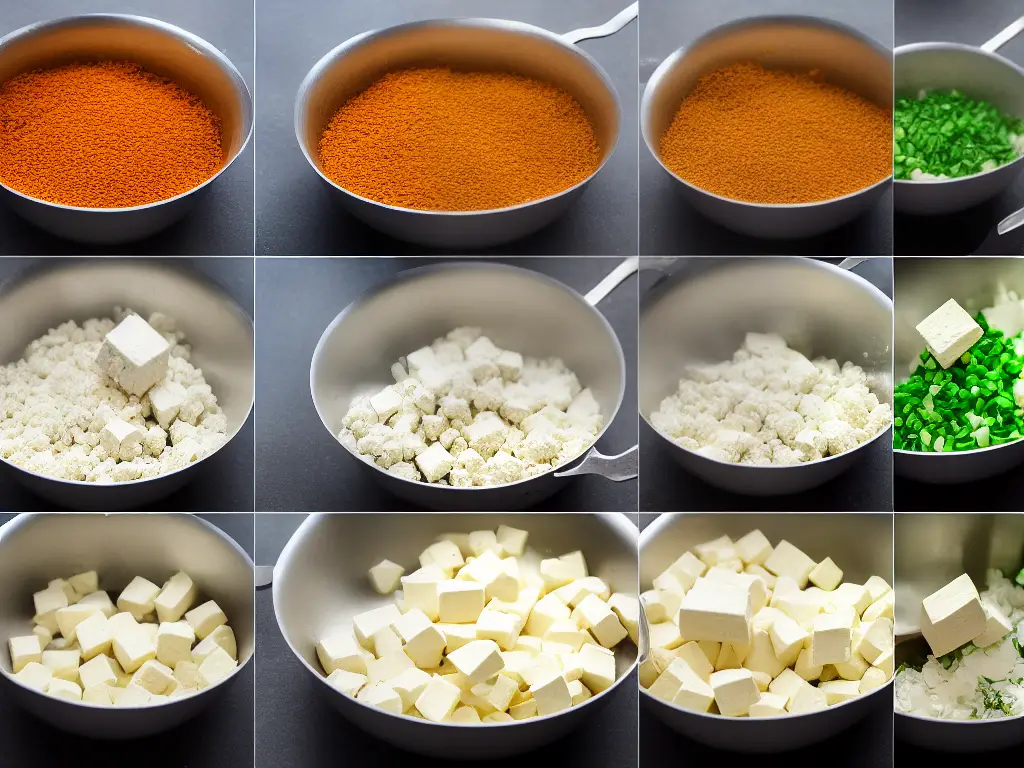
(952, 616)
(716, 611)
(134, 355)
(948, 332)
(788, 560)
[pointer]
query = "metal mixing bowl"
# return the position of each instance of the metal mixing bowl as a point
(466, 44)
(979, 73)
(701, 315)
(931, 551)
(845, 57)
(320, 585)
(517, 309)
(860, 544)
(220, 333)
(37, 548)
(161, 48)
(921, 287)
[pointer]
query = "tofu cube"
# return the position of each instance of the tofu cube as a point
(435, 463)
(552, 695)
(155, 677)
(215, 668)
(84, 583)
(769, 705)
(761, 656)
(385, 576)
(426, 646)
(98, 694)
(493, 695)
(409, 685)
(479, 660)
(528, 708)
(877, 587)
(174, 641)
(546, 612)
(445, 554)
(387, 667)
(838, 691)
(368, 623)
(594, 615)
(952, 616)
(347, 682)
(826, 575)
(381, 696)
(420, 588)
(63, 689)
(881, 608)
(876, 637)
(716, 611)
(853, 669)
(102, 601)
(24, 651)
(187, 674)
(130, 696)
(35, 675)
(687, 569)
(341, 651)
(460, 602)
(577, 690)
(134, 355)
(735, 691)
(786, 684)
(754, 548)
(627, 609)
(386, 403)
(805, 666)
(385, 641)
(712, 552)
(138, 598)
(997, 626)
(788, 560)
(573, 593)
(873, 678)
(754, 585)
(948, 332)
(175, 598)
(502, 628)
(208, 616)
(438, 699)
(97, 671)
(94, 634)
(62, 664)
(788, 639)
(512, 540)
(831, 639)
(133, 648)
(806, 699)
(853, 595)
(166, 399)
(47, 603)
(463, 714)
(69, 618)
(598, 667)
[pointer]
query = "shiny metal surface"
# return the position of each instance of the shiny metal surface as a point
(922, 286)
(161, 48)
(477, 44)
(37, 548)
(931, 551)
(701, 315)
(220, 333)
(518, 309)
(980, 74)
(844, 55)
(860, 544)
(320, 584)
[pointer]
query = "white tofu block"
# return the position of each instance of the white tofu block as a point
(24, 651)
(366, 624)
(788, 639)
(84, 583)
(493, 695)
(627, 609)
(385, 641)
(831, 639)
(460, 602)
(853, 669)
(952, 616)
(44, 635)
(799, 606)
(435, 462)
(512, 540)
(445, 554)
(762, 573)
(174, 643)
(386, 403)
(716, 611)
(419, 589)
(215, 668)
(755, 586)
(886, 663)
(464, 714)
(484, 541)
(388, 667)
(385, 576)
(515, 662)
(573, 593)
(711, 552)
(175, 598)
(121, 622)
(166, 399)
(69, 618)
(97, 671)
(754, 548)
(497, 717)
(546, 612)
(381, 696)
(502, 628)
(769, 705)
(876, 637)
(552, 695)
(877, 587)
(122, 440)
(62, 664)
(341, 651)
(682, 687)
(881, 608)
(94, 634)
(409, 685)
(98, 694)
(187, 674)
(527, 709)
(438, 699)
(347, 682)
(735, 691)
(540, 668)
(47, 602)
(426, 647)
(826, 575)
(223, 637)
(479, 660)
(566, 632)
(665, 635)
(130, 696)
(137, 598)
(761, 656)
(133, 648)
(807, 699)
(687, 569)
(731, 656)
(853, 595)
(838, 691)
(873, 678)
(65, 586)
(155, 677)
(208, 616)
(948, 332)
(35, 675)
(598, 668)
(695, 659)
(457, 635)
(593, 614)
(101, 600)
(134, 355)
(572, 666)
(63, 689)
(786, 684)
(788, 560)
(997, 626)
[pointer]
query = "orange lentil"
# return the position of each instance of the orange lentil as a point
(772, 136)
(442, 140)
(104, 135)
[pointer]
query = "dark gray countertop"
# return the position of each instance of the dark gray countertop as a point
(221, 224)
(868, 744)
(668, 224)
(866, 487)
(224, 483)
(296, 727)
(295, 216)
(300, 467)
(220, 737)
(971, 231)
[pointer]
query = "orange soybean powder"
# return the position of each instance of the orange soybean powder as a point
(442, 140)
(771, 136)
(104, 135)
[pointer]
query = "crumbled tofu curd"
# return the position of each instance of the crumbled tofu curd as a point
(108, 402)
(464, 412)
(771, 405)
(744, 629)
(149, 647)
(484, 631)
(980, 678)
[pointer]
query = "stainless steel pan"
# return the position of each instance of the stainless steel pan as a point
(518, 309)
(320, 583)
(979, 73)
(818, 308)
(479, 44)
(163, 49)
(860, 544)
(931, 551)
(37, 548)
(843, 54)
(220, 333)
(921, 287)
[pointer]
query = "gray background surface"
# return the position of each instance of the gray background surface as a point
(668, 225)
(867, 486)
(224, 483)
(221, 224)
(221, 737)
(295, 216)
(296, 727)
(868, 744)
(301, 467)
(972, 231)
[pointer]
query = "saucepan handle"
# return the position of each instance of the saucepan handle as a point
(1004, 37)
(622, 466)
(264, 576)
(610, 27)
(612, 281)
